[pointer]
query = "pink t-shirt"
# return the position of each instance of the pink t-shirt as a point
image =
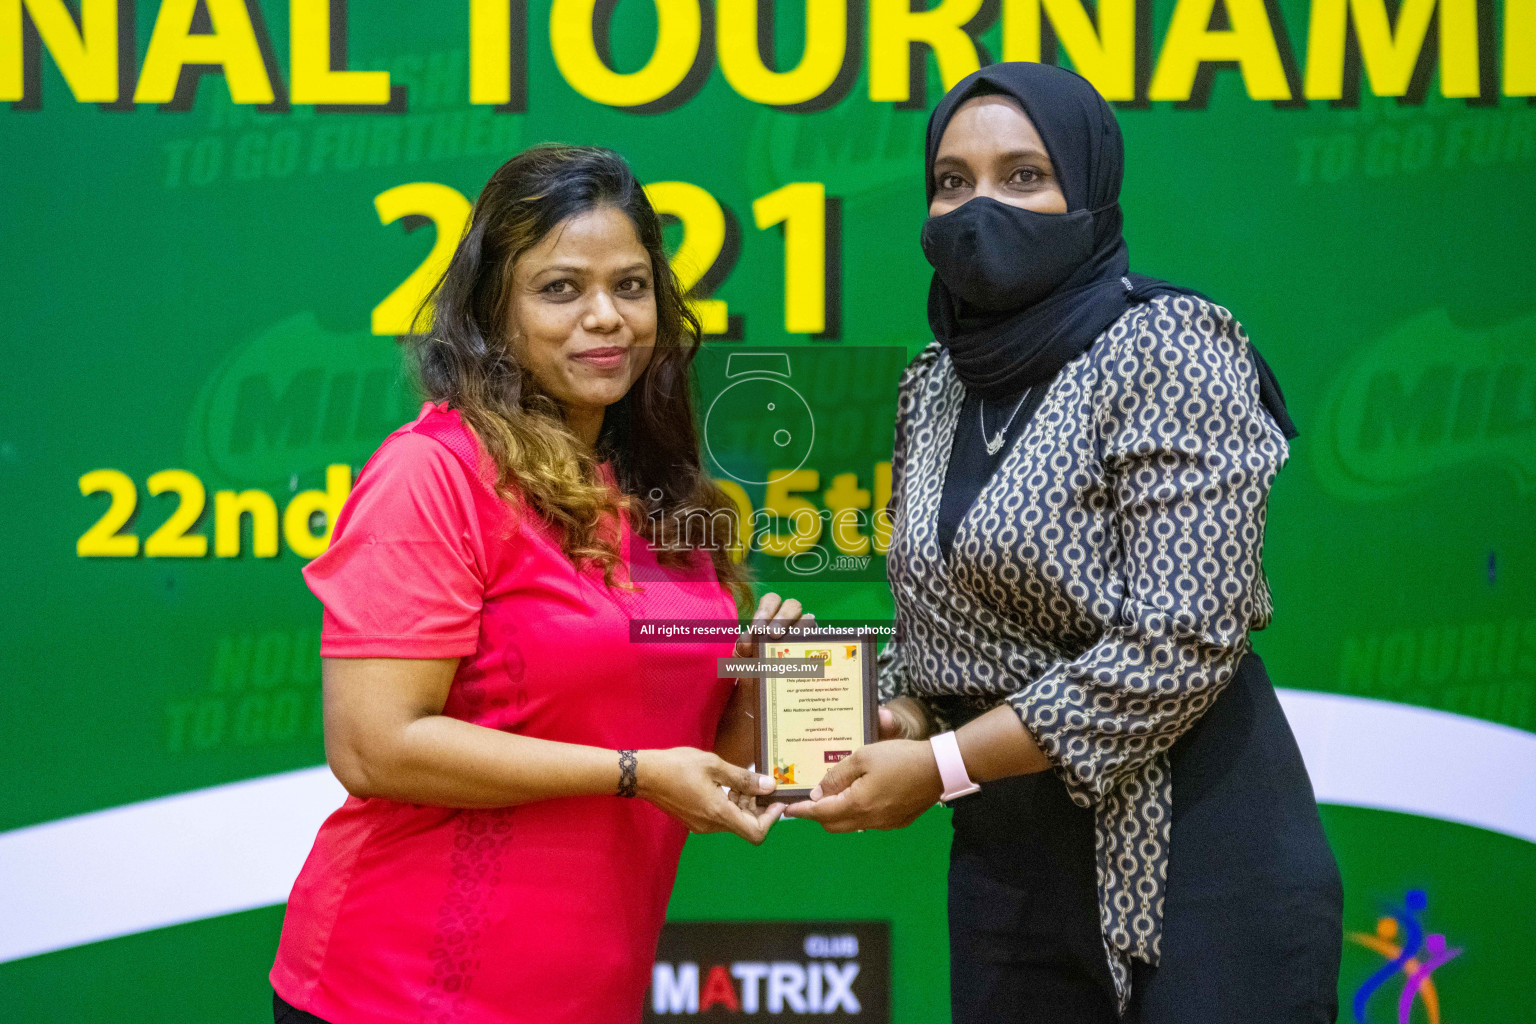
(541, 913)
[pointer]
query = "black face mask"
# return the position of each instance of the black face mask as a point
(1016, 295)
(1000, 257)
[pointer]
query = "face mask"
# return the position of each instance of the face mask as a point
(1000, 257)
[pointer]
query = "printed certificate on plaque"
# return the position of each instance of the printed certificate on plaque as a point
(810, 723)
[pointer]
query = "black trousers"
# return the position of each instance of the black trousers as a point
(1253, 919)
(282, 1013)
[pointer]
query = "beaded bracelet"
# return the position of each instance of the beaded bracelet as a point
(627, 765)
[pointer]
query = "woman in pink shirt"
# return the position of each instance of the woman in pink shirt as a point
(485, 706)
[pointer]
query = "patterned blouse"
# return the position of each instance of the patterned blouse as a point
(1105, 579)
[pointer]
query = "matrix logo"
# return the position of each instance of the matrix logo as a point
(772, 969)
(1400, 938)
(1430, 396)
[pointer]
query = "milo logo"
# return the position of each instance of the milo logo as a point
(295, 397)
(1427, 397)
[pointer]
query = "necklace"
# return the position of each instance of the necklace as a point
(994, 444)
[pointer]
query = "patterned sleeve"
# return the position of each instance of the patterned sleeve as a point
(891, 675)
(1189, 455)
(892, 668)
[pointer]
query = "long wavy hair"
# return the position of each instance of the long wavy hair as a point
(649, 436)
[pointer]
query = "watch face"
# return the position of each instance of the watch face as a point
(759, 430)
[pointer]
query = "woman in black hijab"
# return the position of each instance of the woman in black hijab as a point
(1083, 461)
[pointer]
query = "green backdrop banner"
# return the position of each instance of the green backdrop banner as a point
(218, 216)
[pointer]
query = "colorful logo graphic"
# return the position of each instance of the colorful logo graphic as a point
(1400, 938)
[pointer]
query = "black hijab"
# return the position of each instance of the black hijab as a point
(998, 353)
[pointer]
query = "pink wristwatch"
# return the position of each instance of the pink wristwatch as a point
(946, 751)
